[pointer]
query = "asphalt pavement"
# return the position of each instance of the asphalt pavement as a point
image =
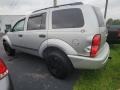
(29, 72)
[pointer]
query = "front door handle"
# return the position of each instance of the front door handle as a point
(20, 35)
(42, 36)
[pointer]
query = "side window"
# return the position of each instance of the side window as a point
(19, 26)
(37, 22)
(67, 18)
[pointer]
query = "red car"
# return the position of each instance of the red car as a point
(5, 81)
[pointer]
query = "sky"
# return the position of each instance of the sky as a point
(23, 7)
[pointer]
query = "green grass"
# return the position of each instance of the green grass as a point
(107, 78)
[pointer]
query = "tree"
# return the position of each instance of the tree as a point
(116, 22)
(113, 22)
(109, 21)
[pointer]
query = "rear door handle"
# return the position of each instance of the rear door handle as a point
(20, 35)
(42, 36)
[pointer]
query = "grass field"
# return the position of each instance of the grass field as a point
(107, 78)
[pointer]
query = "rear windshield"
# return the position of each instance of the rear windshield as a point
(99, 17)
(67, 18)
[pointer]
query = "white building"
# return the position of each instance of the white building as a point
(7, 21)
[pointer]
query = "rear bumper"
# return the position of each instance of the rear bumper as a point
(6, 84)
(99, 61)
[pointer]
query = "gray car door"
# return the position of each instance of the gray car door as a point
(14, 35)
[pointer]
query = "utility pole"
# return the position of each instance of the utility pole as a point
(106, 6)
(55, 3)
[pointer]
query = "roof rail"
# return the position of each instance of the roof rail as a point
(76, 3)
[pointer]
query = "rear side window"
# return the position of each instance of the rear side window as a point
(99, 17)
(37, 22)
(67, 18)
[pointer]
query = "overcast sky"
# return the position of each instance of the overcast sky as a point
(8, 7)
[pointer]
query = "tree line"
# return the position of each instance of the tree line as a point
(113, 21)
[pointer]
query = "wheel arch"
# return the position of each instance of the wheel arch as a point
(56, 44)
(5, 38)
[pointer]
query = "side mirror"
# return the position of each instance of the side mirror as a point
(12, 30)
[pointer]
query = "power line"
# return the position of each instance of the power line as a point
(13, 3)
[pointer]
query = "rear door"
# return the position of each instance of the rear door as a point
(67, 24)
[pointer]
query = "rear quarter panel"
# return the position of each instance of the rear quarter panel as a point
(78, 38)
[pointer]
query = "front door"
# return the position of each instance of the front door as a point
(15, 35)
(35, 34)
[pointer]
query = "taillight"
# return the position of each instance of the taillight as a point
(95, 45)
(3, 69)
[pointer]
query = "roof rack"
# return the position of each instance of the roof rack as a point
(76, 3)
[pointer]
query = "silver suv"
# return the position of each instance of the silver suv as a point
(67, 37)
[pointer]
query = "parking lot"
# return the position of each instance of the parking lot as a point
(30, 73)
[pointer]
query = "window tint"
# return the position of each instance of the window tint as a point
(37, 22)
(19, 25)
(99, 17)
(67, 18)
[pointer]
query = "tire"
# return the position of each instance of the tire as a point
(9, 51)
(58, 64)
